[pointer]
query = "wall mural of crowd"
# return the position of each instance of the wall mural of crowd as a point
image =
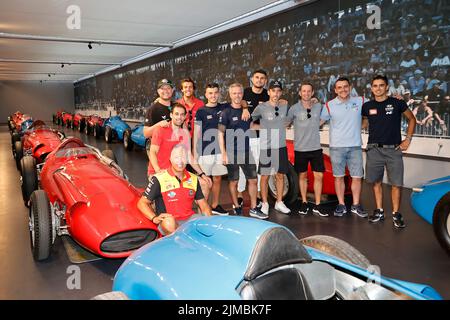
(318, 43)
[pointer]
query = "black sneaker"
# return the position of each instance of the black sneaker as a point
(304, 208)
(358, 210)
(398, 220)
(219, 211)
(377, 216)
(256, 213)
(319, 209)
(237, 210)
(240, 202)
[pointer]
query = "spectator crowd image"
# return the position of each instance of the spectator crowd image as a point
(308, 43)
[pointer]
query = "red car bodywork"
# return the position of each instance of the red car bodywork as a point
(39, 140)
(19, 120)
(67, 119)
(96, 200)
(328, 179)
(93, 120)
(77, 118)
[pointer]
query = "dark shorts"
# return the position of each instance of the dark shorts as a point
(273, 161)
(244, 161)
(380, 158)
(315, 158)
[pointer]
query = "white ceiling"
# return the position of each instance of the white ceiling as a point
(134, 20)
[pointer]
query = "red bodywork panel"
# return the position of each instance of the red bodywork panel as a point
(66, 116)
(77, 118)
(99, 202)
(93, 119)
(328, 179)
(40, 140)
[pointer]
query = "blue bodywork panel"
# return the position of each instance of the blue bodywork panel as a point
(117, 125)
(137, 135)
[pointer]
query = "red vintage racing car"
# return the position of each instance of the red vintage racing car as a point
(86, 195)
(94, 124)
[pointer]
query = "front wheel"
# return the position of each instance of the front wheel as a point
(41, 233)
(441, 222)
(87, 130)
(127, 142)
(18, 153)
(290, 188)
(29, 178)
(337, 248)
(108, 134)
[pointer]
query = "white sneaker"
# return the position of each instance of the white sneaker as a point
(280, 206)
(264, 207)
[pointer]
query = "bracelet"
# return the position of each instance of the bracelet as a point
(153, 219)
(409, 138)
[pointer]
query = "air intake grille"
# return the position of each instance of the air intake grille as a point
(129, 240)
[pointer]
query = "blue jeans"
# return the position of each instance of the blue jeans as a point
(347, 156)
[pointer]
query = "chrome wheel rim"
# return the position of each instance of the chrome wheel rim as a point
(31, 226)
(448, 223)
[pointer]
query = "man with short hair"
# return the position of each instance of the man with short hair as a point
(206, 147)
(273, 155)
(234, 134)
(165, 138)
(385, 147)
(305, 116)
(344, 114)
(173, 191)
(192, 104)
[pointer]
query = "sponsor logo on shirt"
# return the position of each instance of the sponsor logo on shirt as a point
(209, 117)
(389, 109)
(164, 117)
(235, 118)
(191, 193)
(373, 112)
(172, 194)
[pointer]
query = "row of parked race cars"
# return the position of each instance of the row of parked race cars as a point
(73, 189)
(110, 129)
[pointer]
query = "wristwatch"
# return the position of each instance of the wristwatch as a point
(409, 138)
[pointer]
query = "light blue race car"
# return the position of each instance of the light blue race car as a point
(232, 258)
(135, 136)
(431, 201)
(114, 127)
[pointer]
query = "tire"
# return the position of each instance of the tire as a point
(18, 154)
(87, 129)
(113, 295)
(29, 178)
(441, 222)
(97, 131)
(108, 134)
(337, 248)
(109, 154)
(14, 138)
(80, 125)
(54, 119)
(127, 142)
(40, 226)
(67, 124)
(291, 188)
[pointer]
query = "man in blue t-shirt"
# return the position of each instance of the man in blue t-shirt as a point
(206, 144)
(234, 135)
(385, 146)
(344, 114)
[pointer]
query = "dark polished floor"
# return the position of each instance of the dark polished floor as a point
(412, 254)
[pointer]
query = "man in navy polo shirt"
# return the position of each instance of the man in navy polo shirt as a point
(385, 146)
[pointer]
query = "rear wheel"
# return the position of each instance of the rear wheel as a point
(87, 129)
(18, 154)
(337, 248)
(97, 131)
(81, 125)
(41, 238)
(14, 138)
(441, 222)
(67, 123)
(29, 178)
(109, 154)
(290, 190)
(127, 142)
(108, 134)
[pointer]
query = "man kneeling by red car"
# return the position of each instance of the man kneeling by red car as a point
(173, 192)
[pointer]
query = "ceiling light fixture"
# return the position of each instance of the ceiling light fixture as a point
(90, 45)
(62, 65)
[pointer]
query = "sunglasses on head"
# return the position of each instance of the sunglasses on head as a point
(276, 111)
(308, 113)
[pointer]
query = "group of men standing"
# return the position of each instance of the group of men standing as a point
(246, 139)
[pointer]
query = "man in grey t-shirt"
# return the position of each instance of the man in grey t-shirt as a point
(273, 155)
(305, 116)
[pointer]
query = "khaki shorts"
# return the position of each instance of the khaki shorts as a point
(212, 165)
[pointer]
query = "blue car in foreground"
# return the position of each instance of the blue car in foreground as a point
(431, 201)
(233, 258)
(114, 128)
(134, 137)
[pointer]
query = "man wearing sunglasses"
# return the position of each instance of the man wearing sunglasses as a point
(305, 116)
(273, 155)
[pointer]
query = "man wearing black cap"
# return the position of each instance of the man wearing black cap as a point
(158, 115)
(273, 155)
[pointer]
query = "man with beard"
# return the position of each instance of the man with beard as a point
(158, 115)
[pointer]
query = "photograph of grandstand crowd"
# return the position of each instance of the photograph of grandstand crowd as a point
(317, 43)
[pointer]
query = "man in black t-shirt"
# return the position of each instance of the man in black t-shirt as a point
(158, 115)
(385, 146)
